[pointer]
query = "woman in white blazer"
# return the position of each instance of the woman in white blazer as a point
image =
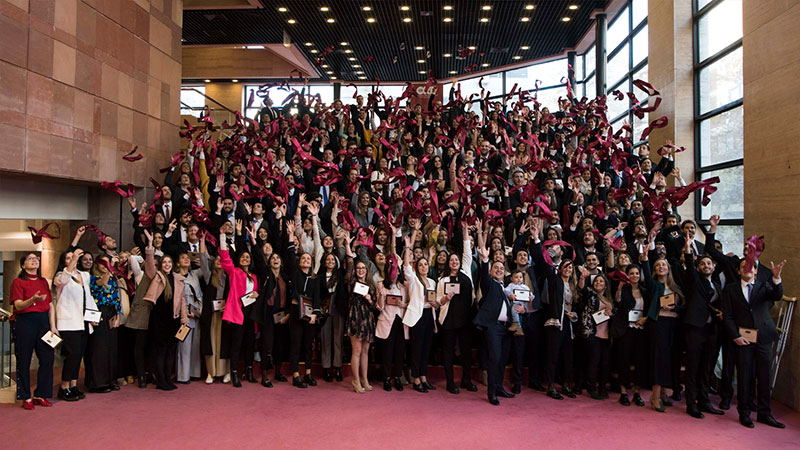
(419, 316)
(390, 323)
(74, 297)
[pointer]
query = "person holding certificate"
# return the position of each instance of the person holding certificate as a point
(101, 347)
(360, 319)
(32, 319)
(74, 303)
(215, 282)
(596, 311)
(304, 310)
(455, 293)
(392, 301)
(419, 314)
(630, 338)
(666, 299)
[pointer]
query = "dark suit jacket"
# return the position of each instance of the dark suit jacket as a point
(492, 301)
(698, 292)
(737, 312)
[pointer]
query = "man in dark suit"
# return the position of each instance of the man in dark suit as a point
(746, 307)
(703, 307)
(532, 326)
(494, 317)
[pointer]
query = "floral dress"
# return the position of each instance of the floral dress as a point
(361, 320)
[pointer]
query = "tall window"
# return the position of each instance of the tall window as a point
(718, 114)
(193, 100)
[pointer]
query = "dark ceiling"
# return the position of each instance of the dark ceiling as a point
(496, 42)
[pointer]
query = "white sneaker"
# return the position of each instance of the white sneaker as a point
(209, 379)
(227, 378)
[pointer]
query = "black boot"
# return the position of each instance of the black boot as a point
(66, 395)
(237, 383)
(637, 400)
(398, 385)
(337, 373)
(327, 376)
(298, 382)
(248, 375)
(143, 382)
(387, 385)
(280, 377)
(309, 380)
(265, 380)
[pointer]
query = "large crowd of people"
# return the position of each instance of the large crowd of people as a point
(518, 235)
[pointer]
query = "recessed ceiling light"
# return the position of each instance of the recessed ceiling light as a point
(484, 19)
(525, 47)
(406, 19)
(447, 55)
(348, 51)
(419, 47)
(324, 66)
(333, 78)
(524, 19)
(359, 72)
(356, 65)
(367, 8)
(362, 78)
(448, 19)
(370, 19)
(453, 72)
(471, 47)
(282, 9)
(330, 72)
(234, 80)
(518, 57)
(529, 7)
(207, 81)
(485, 64)
(314, 51)
(448, 7)
(330, 20)
(351, 59)
(309, 44)
(422, 72)
(565, 19)
(254, 47)
(573, 7)
(292, 21)
(421, 61)
(344, 44)
(404, 8)
(486, 7)
(324, 9)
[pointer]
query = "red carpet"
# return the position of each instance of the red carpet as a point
(332, 416)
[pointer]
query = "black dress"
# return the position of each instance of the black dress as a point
(163, 327)
(361, 319)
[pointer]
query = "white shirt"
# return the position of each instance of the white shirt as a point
(503, 317)
(73, 299)
(746, 289)
(164, 210)
(194, 247)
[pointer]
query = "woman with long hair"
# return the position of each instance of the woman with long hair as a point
(100, 360)
(360, 319)
(630, 338)
(595, 298)
(32, 318)
(333, 300)
(167, 294)
(214, 295)
(390, 328)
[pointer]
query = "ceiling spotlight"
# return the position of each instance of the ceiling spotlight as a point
(292, 21)
(344, 44)
(207, 81)
(421, 61)
(370, 19)
(524, 19)
(309, 44)
(529, 7)
(419, 47)
(453, 72)
(422, 72)
(486, 7)
(367, 8)
(314, 51)
(348, 51)
(448, 19)
(324, 66)
(573, 7)
(565, 19)
(447, 55)
(524, 47)
(406, 19)
(518, 57)
(330, 20)
(485, 64)
(333, 78)
(351, 59)
(330, 72)
(356, 65)
(471, 47)
(362, 78)
(324, 9)
(282, 9)
(484, 19)
(404, 8)
(234, 80)
(359, 72)
(447, 7)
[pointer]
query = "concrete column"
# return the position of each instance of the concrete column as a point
(600, 53)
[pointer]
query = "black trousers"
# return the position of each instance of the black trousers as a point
(599, 351)
(421, 339)
(700, 345)
(632, 349)
(728, 348)
(662, 338)
(462, 335)
(498, 344)
(126, 365)
(301, 337)
(393, 350)
(528, 348)
(237, 338)
(750, 359)
(164, 362)
(72, 349)
(140, 348)
(559, 349)
(28, 330)
(678, 348)
(101, 352)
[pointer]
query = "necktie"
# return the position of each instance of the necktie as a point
(166, 211)
(325, 195)
(749, 290)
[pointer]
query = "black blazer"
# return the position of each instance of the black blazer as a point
(619, 321)
(699, 293)
(737, 312)
(492, 301)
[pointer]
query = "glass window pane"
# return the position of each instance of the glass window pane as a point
(549, 97)
(590, 61)
(702, 3)
(590, 88)
(325, 93)
(469, 87)
(192, 100)
(719, 28)
(721, 82)
(640, 75)
(396, 91)
(579, 90)
(640, 49)
(639, 125)
(346, 93)
(617, 66)
(721, 137)
(731, 237)
(493, 84)
(578, 69)
(618, 30)
(550, 73)
(639, 11)
(615, 107)
(728, 201)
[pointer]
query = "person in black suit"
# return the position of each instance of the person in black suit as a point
(703, 307)
(747, 305)
(494, 317)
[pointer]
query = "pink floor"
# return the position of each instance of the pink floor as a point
(332, 416)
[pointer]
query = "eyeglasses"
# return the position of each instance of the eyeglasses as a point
(32, 258)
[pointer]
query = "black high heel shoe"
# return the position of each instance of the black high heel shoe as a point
(309, 380)
(398, 385)
(337, 373)
(265, 380)
(419, 387)
(248, 375)
(298, 382)
(387, 385)
(280, 377)
(428, 386)
(237, 383)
